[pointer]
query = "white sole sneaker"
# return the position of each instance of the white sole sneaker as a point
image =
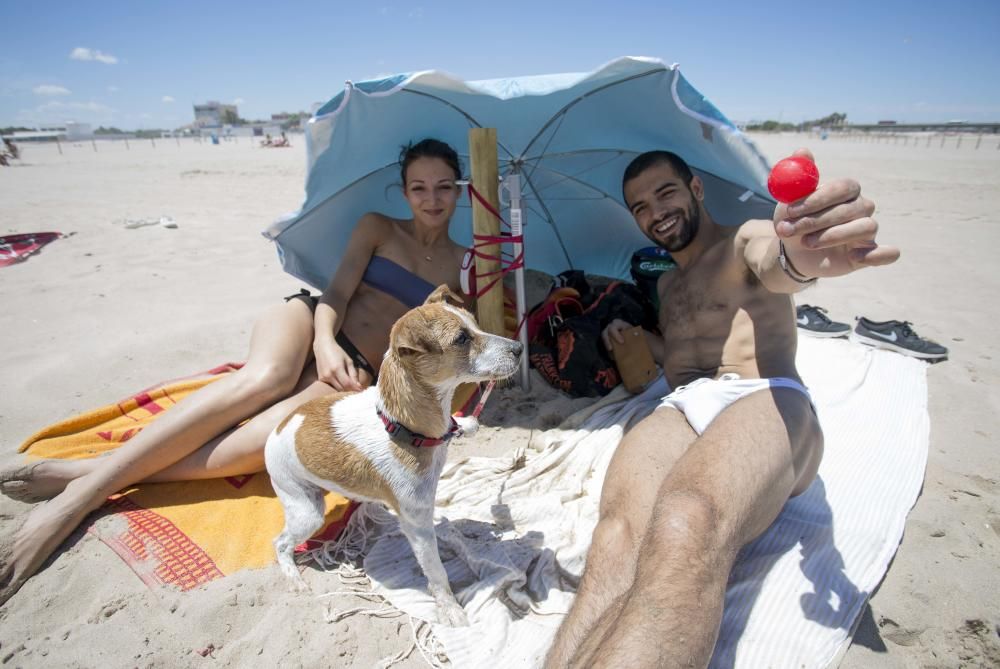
(823, 335)
(876, 343)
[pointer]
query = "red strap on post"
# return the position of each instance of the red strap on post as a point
(481, 241)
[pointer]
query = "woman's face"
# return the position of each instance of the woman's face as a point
(431, 191)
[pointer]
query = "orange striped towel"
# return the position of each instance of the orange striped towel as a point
(177, 534)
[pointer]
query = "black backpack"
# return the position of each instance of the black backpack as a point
(569, 353)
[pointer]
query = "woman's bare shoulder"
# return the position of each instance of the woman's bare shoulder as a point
(379, 226)
(378, 219)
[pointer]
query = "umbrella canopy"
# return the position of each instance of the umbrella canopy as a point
(570, 136)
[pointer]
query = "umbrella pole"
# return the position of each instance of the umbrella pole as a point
(486, 177)
(512, 183)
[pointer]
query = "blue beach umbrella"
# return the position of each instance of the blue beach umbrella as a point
(569, 136)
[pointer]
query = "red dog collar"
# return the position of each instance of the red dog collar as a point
(398, 431)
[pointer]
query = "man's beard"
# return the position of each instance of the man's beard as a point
(687, 230)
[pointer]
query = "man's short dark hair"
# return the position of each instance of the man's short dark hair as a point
(644, 161)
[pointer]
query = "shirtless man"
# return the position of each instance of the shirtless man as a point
(708, 470)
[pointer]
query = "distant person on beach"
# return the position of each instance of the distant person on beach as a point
(710, 469)
(304, 348)
(11, 148)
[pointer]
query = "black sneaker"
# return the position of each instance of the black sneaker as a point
(814, 322)
(897, 336)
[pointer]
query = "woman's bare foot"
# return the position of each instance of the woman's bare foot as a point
(38, 481)
(45, 528)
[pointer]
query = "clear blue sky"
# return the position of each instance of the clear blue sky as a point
(143, 63)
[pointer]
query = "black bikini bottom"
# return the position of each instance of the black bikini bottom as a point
(349, 348)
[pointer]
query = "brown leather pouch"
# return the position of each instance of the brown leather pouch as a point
(634, 360)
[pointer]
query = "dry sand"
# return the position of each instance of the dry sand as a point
(110, 310)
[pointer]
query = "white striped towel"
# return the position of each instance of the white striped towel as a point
(520, 528)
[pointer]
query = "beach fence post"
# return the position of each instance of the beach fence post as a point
(958, 144)
(59, 146)
(979, 140)
(486, 179)
(94, 143)
(127, 147)
(153, 142)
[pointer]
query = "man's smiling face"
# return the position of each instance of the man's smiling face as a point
(666, 209)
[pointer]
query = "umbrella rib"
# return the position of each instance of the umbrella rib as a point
(568, 177)
(330, 197)
(572, 103)
(573, 177)
(548, 216)
(461, 111)
(551, 137)
(578, 152)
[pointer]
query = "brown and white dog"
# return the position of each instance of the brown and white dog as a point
(371, 445)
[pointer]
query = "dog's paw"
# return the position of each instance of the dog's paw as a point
(295, 581)
(451, 614)
(468, 424)
(299, 586)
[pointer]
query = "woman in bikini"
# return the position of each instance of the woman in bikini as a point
(304, 348)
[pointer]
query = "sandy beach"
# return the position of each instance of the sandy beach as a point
(110, 309)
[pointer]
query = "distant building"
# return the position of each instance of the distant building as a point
(212, 114)
(886, 123)
(50, 132)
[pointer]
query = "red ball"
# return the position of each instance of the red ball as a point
(792, 179)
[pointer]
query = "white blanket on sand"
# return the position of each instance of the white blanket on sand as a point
(514, 532)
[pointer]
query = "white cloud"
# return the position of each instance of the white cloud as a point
(383, 11)
(113, 89)
(56, 106)
(238, 101)
(168, 99)
(49, 89)
(58, 111)
(83, 53)
(416, 13)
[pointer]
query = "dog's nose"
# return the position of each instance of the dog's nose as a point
(518, 348)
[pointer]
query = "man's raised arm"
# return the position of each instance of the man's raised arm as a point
(828, 233)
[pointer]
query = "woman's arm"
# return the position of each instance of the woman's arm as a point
(333, 365)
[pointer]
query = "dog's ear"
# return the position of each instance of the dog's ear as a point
(407, 345)
(405, 338)
(445, 294)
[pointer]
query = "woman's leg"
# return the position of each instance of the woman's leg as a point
(240, 450)
(279, 348)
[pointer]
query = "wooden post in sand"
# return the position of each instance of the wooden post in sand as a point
(486, 179)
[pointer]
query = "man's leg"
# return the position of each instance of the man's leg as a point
(638, 468)
(723, 492)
